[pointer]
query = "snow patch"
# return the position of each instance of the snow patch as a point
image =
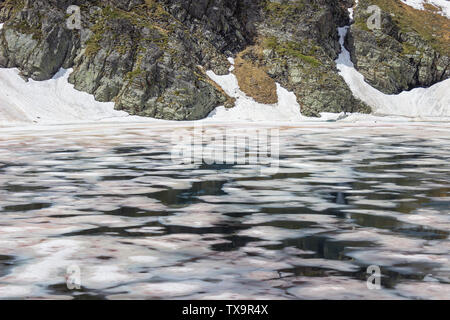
(247, 109)
(52, 101)
(444, 5)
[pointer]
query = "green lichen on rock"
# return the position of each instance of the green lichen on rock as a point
(34, 39)
(9, 8)
(278, 11)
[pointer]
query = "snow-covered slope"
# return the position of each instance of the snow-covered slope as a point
(247, 109)
(51, 101)
(444, 5)
(419, 102)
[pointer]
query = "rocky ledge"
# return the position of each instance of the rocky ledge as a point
(150, 56)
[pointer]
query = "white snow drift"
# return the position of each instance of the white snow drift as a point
(54, 101)
(444, 5)
(247, 109)
(419, 102)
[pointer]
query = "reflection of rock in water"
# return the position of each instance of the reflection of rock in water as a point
(326, 248)
(341, 198)
(172, 197)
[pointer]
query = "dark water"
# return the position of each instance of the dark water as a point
(109, 199)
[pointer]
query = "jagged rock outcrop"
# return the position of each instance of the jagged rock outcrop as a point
(409, 50)
(150, 56)
(132, 52)
(296, 43)
(220, 22)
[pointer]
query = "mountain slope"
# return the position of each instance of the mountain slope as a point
(150, 57)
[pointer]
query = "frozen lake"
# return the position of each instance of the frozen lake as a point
(109, 199)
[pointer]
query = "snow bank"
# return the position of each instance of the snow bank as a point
(53, 101)
(56, 101)
(48, 102)
(247, 109)
(287, 108)
(418, 4)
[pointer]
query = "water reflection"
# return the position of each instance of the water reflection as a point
(110, 200)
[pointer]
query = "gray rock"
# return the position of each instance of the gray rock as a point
(300, 56)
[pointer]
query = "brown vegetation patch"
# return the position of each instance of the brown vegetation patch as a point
(432, 7)
(254, 81)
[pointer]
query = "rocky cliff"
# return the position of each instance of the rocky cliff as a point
(133, 52)
(150, 56)
(410, 49)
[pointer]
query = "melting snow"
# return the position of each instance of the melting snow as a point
(444, 5)
(51, 101)
(286, 110)
(247, 109)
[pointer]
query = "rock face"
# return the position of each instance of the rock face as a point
(254, 81)
(132, 52)
(150, 56)
(296, 42)
(411, 49)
